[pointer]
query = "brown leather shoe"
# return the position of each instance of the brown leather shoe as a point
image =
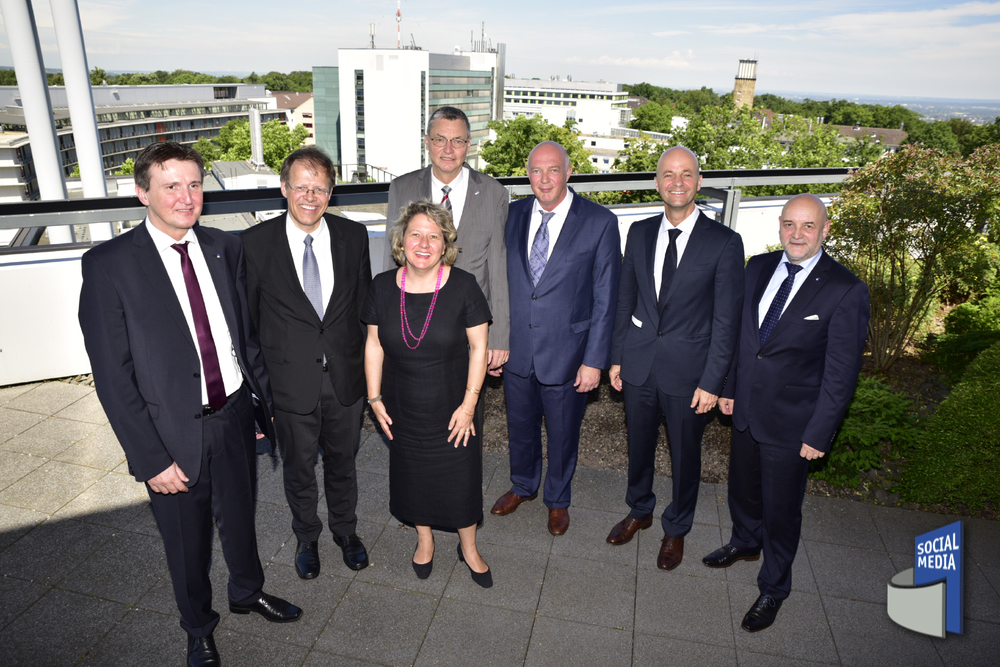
(625, 530)
(508, 502)
(558, 520)
(671, 553)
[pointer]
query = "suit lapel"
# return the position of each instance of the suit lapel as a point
(522, 224)
(815, 281)
(691, 252)
(338, 251)
(650, 235)
(286, 266)
(221, 277)
(471, 194)
(148, 259)
(763, 278)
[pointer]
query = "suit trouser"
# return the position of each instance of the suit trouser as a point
(335, 429)
(766, 486)
(643, 407)
(226, 490)
(562, 406)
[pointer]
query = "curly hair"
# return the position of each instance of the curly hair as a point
(441, 217)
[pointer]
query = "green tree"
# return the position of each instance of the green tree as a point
(208, 150)
(653, 117)
(936, 134)
(8, 77)
(728, 138)
(639, 155)
(233, 142)
(908, 225)
(508, 155)
(97, 76)
(128, 167)
(56, 79)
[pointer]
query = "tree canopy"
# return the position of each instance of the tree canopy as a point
(508, 155)
(233, 142)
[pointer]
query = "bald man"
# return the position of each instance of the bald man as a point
(675, 333)
(802, 333)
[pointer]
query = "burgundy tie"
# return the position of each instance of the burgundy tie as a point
(209, 357)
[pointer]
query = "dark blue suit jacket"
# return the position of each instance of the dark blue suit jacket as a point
(567, 319)
(796, 387)
(144, 360)
(691, 343)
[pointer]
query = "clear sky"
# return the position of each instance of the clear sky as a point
(912, 48)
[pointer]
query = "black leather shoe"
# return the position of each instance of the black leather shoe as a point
(307, 560)
(483, 579)
(202, 652)
(422, 570)
(727, 555)
(270, 607)
(355, 555)
(761, 614)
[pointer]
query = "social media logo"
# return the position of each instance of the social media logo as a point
(928, 598)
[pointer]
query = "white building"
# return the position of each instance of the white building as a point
(596, 107)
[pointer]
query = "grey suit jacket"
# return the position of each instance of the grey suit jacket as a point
(480, 238)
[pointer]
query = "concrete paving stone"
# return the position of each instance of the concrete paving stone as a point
(517, 578)
(268, 463)
(49, 398)
(144, 521)
(50, 486)
(978, 645)
(379, 624)
(15, 465)
(374, 454)
(316, 597)
(464, 634)
(496, 466)
(706, 510)
(848, 572)
(331, 556)
(982, 538)
(271, 482)
(274, 530)
(15, 422)
(321, 659)
(52, 550)
(49, 437)
(122, 469)
(980, 600)
(751, 659)
(587, 538)
(866, 636)
(142, 637)
(15, 522)
(840, 522)
(526, 528)
(650, 650)
(373, 497)
(992, 575)
(113, 500)
(10, 392)
(588, 591)
(701, 541)
(18, 596)
(123, 569)
(800, 631)
(86, 409)
(803, 581)
(679, 607)
(392, 555)
(72, 622)
(554, 640)
(598, 489)
(899, 528)
(246, 650)
(99, 449)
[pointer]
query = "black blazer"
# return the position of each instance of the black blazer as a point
(292, 336)
(691, 343)
(145, 362)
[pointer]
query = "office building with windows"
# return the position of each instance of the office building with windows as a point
(596, 107)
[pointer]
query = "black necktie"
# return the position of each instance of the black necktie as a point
(669, 267)
(778, 303)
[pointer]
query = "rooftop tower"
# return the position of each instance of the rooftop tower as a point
(746, 80)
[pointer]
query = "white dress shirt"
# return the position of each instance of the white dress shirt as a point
(321, 248)
(555, 222)
(459, 190)
(663, 238)
(232, 377)
(778, 277)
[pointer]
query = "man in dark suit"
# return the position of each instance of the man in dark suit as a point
(175, 358)
(803, 330)
(479, 207)
(308, 274)
(675, 333)
(563, 263)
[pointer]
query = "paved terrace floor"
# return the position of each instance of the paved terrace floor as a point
(84, 579)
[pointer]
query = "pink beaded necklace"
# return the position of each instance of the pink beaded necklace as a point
(405, 323)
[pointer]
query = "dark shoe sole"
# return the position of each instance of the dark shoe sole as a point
(749, 559)
(248, 610)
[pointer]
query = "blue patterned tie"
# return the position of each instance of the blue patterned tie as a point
(310, 277)
(778, 303)
(540, 249)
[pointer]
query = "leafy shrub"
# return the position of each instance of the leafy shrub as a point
(979, 315)
(876, 415)
(956, 457)
(969, 329)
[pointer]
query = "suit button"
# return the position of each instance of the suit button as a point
(198, 416)
(529, 326)
(659, 334)
(319, 361)
(760, 355)
(322, 331)
(197, 375)
(534, 298)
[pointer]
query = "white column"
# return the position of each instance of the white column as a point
(69, 33)
(33, 87)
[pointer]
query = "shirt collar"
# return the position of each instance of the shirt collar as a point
(806, 265)
(298, 237)
(459, 182)
(686, 226)
(562, 210)
(162, 241)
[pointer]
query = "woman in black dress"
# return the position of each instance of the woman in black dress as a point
(425, 360)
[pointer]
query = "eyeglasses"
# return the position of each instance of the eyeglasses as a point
(302, 190)
(456, 142)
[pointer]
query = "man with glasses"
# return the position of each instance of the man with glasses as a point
(307, 276)
(478, 205)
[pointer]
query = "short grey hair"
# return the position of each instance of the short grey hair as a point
(449, 113)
